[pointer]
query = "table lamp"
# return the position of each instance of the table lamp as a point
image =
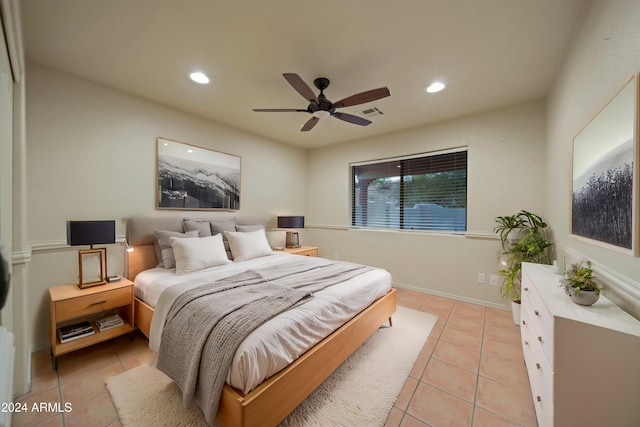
(92, 263)
(291, 222)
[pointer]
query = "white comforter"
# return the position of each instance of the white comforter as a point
(277, 343)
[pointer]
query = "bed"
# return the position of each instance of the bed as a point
(248, 404)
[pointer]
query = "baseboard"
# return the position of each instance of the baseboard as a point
(453, 296)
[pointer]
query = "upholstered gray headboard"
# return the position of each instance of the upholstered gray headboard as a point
(140, 235)
(140, 229)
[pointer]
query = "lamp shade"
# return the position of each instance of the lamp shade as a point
(91, 232)
(290, 222)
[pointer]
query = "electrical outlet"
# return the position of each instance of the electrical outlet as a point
(493, 279)
(481, 278)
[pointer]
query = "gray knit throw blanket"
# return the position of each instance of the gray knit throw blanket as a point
(206, 324)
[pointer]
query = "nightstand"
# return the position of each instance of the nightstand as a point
(69, 305)
(303, 250)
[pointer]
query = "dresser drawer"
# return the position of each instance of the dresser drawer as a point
(541, 376)
(91, 304)
(540, 319)
(526, 331)
(543, 405)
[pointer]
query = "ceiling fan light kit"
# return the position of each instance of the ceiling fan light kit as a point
(320, 107)
(199, 77)
(435, 87)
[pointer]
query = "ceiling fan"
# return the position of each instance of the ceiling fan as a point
(320, 107)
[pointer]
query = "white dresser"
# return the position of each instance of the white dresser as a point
(583, 362)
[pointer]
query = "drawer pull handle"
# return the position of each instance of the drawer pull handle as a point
(540, 339)
(526, 342)
(536, 312)
(526, 289)
(524, 323)
(98, 302)
(538, 398)
(538, 365)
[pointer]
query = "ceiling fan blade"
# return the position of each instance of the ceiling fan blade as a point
(310, 124)
(277, 110)
(362, 97)
(356, 120)
(300, 86)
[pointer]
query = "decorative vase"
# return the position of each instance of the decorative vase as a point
(585, 297)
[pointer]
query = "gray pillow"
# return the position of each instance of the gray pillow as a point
(249, 228)
(222, 226)
(163, 238)
(219, 227)
(203, 227)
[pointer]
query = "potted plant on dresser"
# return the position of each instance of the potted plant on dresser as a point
(523, 239)
(579, 284)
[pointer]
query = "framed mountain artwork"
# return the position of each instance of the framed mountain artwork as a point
(195, 178)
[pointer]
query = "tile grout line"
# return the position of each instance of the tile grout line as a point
(62, 418)
(475, 394)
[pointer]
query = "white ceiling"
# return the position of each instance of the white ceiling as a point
(490, 53)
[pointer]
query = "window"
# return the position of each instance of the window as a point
(422, 192)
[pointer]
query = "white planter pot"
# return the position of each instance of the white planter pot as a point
(585, 298)
(515, 310)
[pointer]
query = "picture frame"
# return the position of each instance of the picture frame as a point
(92, 267)
(604, 173)
(196, 178)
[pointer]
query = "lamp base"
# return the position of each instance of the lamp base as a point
(293, 239)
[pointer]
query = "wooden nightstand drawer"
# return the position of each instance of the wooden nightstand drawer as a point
(90, 304)
(303, 250)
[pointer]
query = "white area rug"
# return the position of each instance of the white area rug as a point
(361, 392)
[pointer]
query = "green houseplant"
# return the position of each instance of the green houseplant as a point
(580, 285)
(523, 239)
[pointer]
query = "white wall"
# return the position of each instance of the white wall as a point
(91, 155)
(505, 174)
(604, 54)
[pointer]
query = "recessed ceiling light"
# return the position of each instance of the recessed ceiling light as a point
(199, 77)
(435, 87)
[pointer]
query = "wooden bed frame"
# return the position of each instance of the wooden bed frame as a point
(278, 396)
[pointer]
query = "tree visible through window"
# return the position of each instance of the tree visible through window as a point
(423, 192)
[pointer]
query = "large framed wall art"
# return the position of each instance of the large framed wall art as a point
(604, 199)
(195, 178)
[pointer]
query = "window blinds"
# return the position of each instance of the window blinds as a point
(422, 192)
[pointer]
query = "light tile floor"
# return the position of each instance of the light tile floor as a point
(469, 373)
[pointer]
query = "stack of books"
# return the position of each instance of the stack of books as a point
(75, 331)
(109, 322)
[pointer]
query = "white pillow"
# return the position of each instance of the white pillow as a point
(164, 250)
(252, 244)
(198, 254)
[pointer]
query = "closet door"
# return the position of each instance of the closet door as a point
(6, 162)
